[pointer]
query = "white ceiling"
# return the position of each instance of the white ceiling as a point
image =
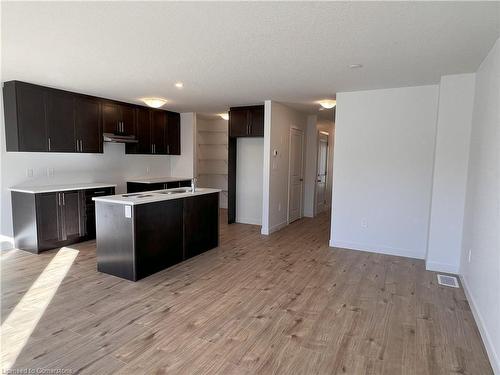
(241, 53)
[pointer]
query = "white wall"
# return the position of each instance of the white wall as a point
(481, 274)
(278, 120)
(383, 159)
(184, 165)
(456, 97)
(249, 163)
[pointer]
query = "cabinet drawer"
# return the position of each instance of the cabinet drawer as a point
(100, 192)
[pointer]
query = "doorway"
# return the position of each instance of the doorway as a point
(295, 180)
(322, 172)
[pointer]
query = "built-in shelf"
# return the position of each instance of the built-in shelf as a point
(212, 174)
(212, 159)
(212, 156)
(213, 131)
(212, 144)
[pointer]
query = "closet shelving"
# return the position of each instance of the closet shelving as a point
(212, 157)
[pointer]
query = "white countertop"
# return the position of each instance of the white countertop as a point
(152, 196)
(153, 180)
(62, 187)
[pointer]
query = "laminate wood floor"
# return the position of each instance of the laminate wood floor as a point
(282, 304)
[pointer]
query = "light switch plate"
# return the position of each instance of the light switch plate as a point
(128, 211)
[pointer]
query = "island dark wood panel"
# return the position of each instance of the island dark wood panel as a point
(135, 241)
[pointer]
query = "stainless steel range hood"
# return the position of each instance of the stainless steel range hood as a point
(116, 138)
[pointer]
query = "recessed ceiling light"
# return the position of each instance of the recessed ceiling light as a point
(355, 66)
(154, 102)
(179, 85)
(225, 116)
(328, 103)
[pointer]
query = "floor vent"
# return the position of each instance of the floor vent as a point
(448, 281)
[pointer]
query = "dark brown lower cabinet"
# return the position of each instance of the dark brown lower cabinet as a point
(136, 241)
(49, 220)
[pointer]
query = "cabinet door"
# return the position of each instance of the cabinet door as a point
(111, 117)
(257, 121)
(60, 122)
(174, 134)
(143, 132)
(88, 127)
(31, 118)
(89, 204)
(128, 119)
(158, 236)
(72, 215)
(48, 220)
(238, 122)
(158, 132)
(201, 224)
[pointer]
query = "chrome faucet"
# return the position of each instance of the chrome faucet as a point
(194, 180)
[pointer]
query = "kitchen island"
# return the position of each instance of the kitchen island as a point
(142, 233)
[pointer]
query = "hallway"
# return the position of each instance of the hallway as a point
(285, 303)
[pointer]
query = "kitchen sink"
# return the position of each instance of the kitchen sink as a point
(180, 191)
(139, 195)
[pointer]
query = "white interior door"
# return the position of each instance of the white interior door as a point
(321, 180)
(295, 181)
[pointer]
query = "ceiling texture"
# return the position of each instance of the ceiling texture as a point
(241, 53)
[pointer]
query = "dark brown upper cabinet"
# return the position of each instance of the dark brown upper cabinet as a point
(142, 133)
(118, 118)
(88, 125)
(60, 122)
(24, 110)
(246, 121)
(159, 132)
(173, 133)
(43, 119)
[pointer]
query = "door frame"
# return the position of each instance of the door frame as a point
(301, 204)
(319, 134)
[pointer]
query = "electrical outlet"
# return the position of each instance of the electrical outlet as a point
(148, 170)
(29, 172)
(470, 255)
(364, 223)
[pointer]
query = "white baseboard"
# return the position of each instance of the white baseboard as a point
(248, 220)
(441, 267)
(377, 249)
(273, 229)
(6, 242)
(488, 343)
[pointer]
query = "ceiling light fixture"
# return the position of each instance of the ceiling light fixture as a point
(328, 103)
(154, 102)
(355, 66)
(225, 116)
(179, 85)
